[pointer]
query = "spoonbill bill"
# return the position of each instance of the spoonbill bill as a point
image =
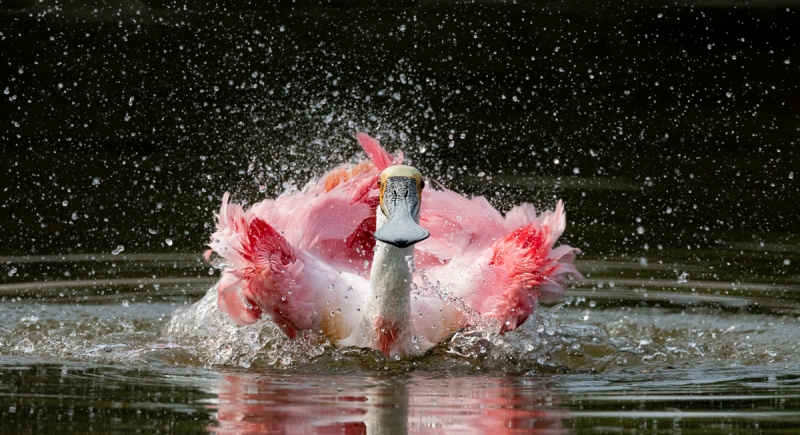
(371, 255)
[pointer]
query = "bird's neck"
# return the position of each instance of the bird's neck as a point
(390, 284)
(389, 308)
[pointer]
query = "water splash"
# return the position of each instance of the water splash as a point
(216, 340)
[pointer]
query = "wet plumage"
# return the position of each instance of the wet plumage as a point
(310, 260)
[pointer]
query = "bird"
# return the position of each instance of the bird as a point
(371, 255)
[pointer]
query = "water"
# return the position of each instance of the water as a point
(670, 131)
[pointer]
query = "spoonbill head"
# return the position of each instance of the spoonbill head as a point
(400, 204)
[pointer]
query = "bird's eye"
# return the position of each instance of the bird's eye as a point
(379, 183)
(421, 184)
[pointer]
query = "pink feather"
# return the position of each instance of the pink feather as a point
(297, 256)
(379, 156)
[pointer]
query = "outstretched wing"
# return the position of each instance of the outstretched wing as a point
(283, 252)
(500, 267)
(458, 225)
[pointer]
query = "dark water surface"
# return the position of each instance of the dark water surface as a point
(670, 129)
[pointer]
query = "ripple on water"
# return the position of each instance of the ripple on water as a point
(607, 324)
(641, 329)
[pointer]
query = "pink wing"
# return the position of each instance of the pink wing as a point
(458, 225)
(500, 267)
(276, 248)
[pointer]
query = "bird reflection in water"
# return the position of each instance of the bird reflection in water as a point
(391, 404)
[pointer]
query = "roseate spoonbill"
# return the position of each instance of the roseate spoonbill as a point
(370, 256)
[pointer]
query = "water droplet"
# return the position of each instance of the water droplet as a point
(576, 171)
(640, 230)
(169, 242)
(683, 277)
(130, 101)
(786, 262)
(119, 249)
(12, 271)
(65, 203)
(786, 61)
(262, 188)
(151, 231)
(125, 303)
